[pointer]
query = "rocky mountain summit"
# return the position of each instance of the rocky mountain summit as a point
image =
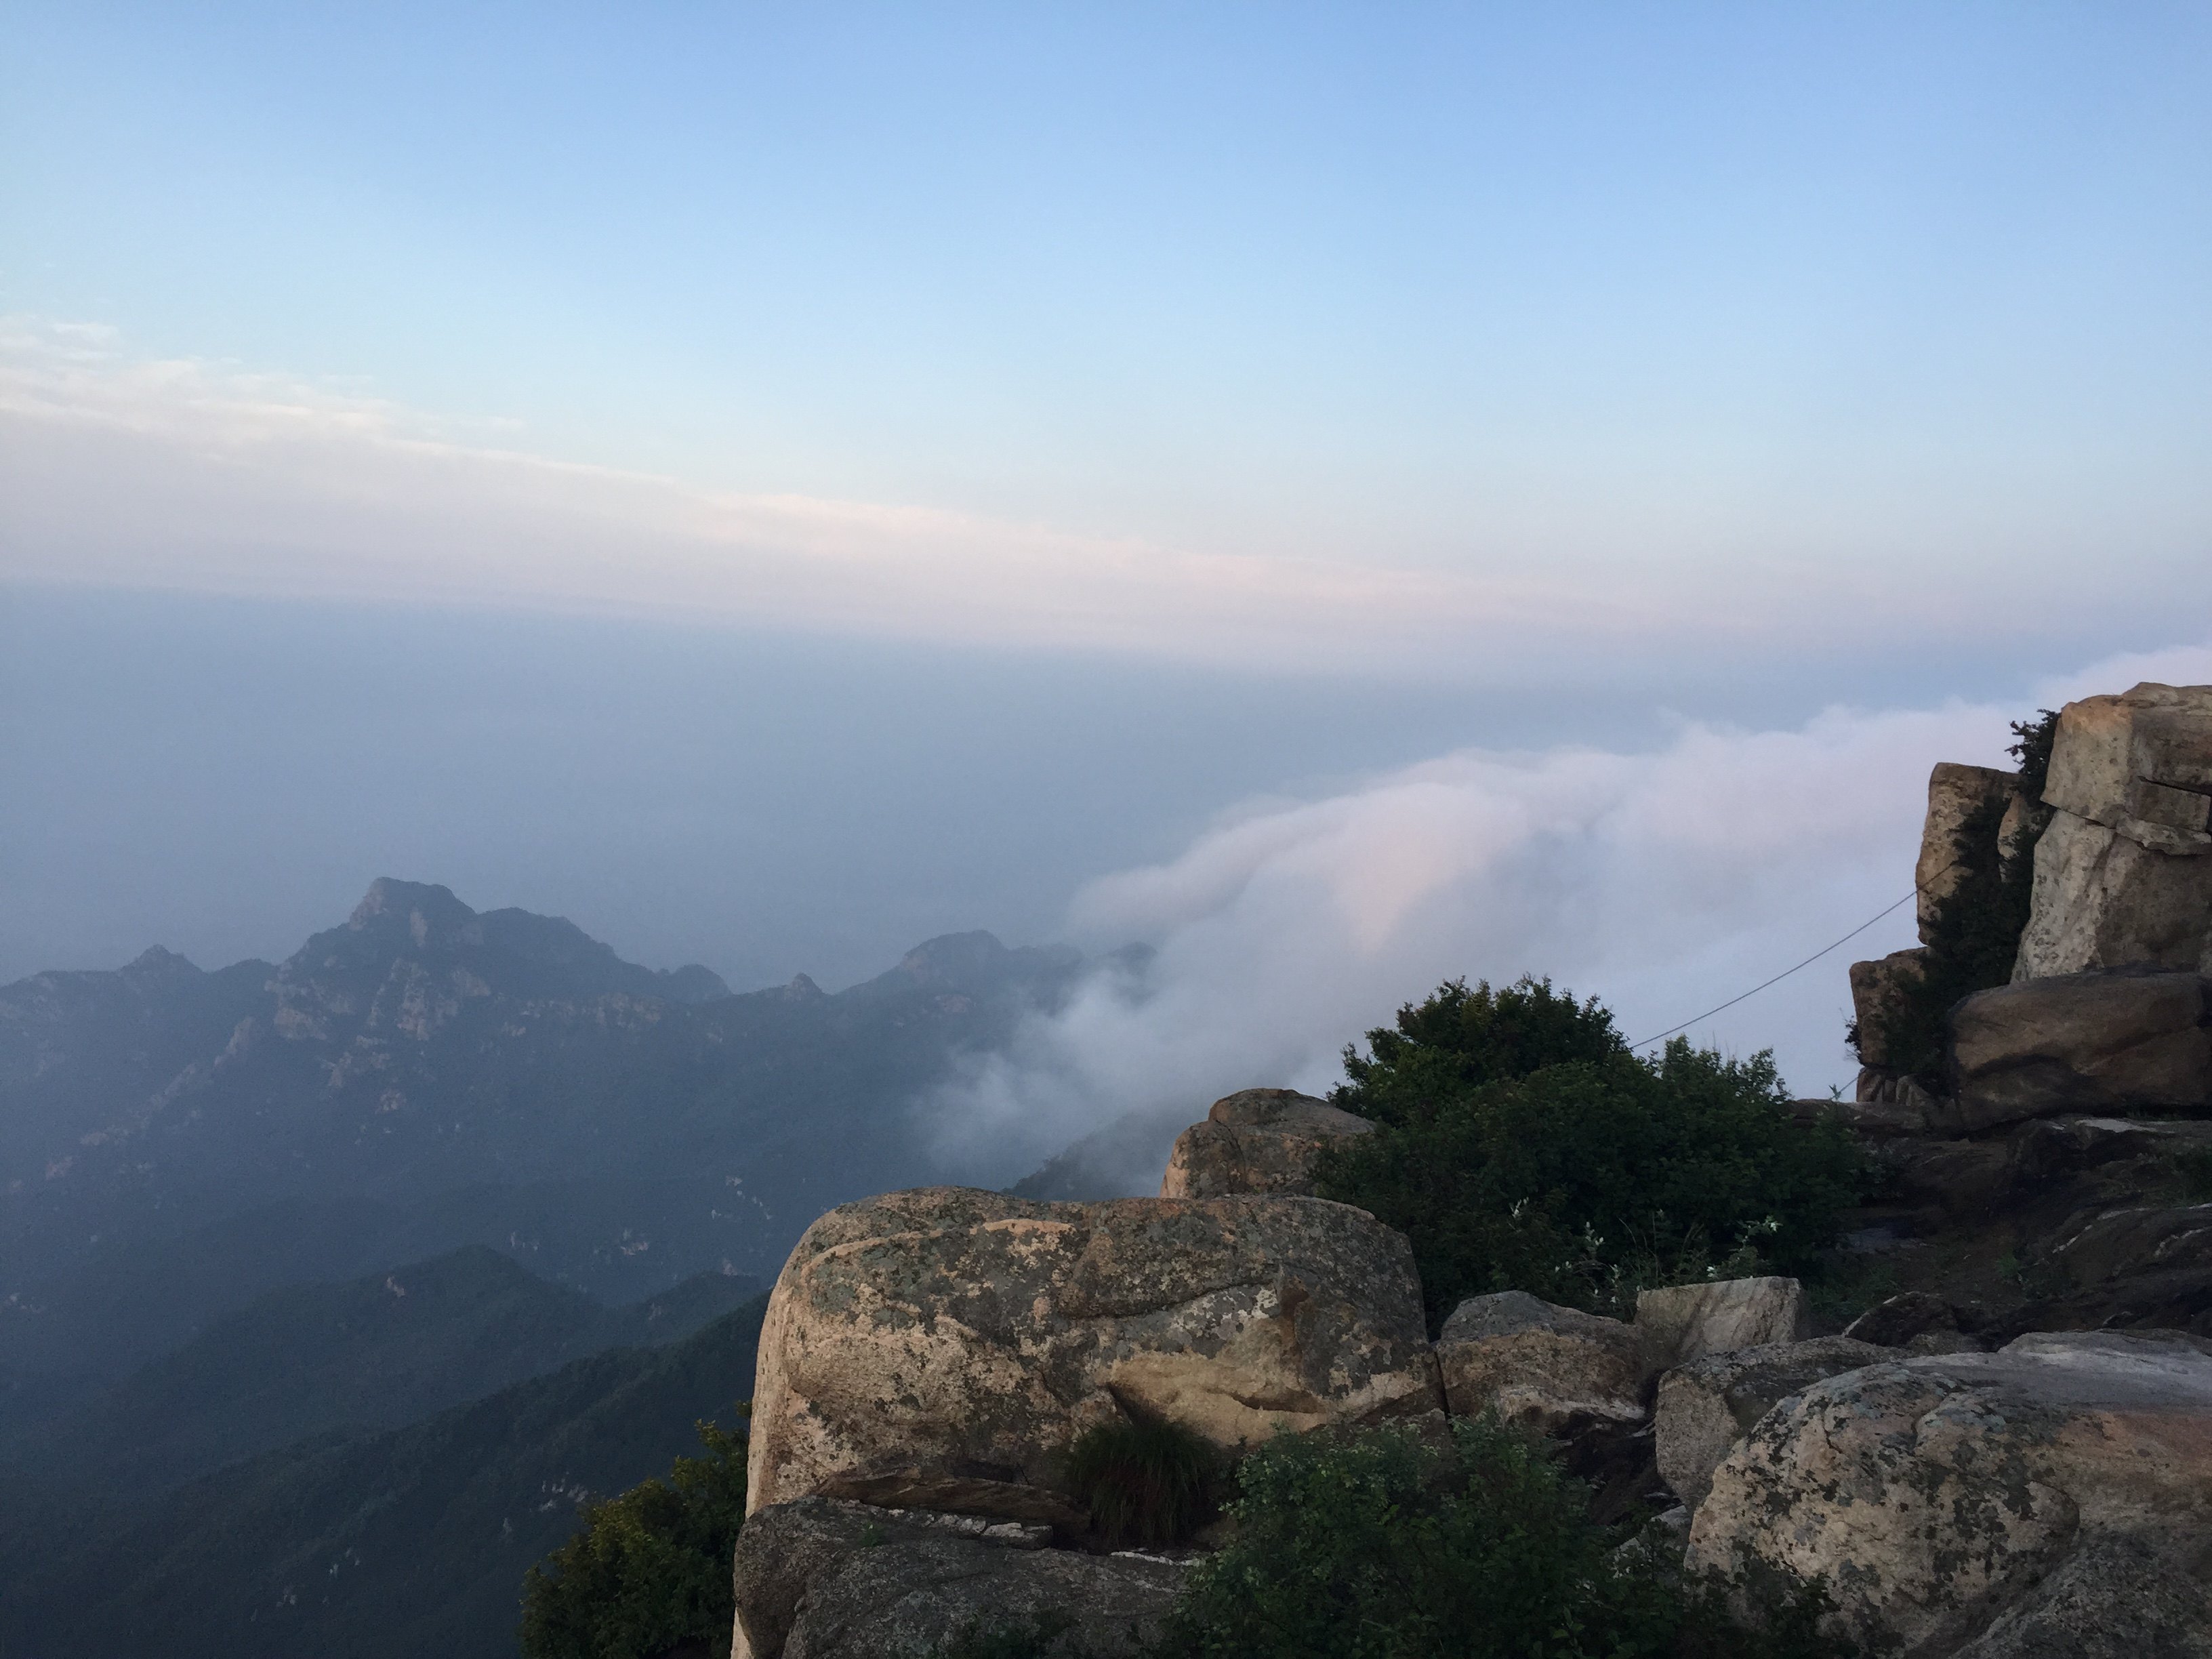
(2008, 1452)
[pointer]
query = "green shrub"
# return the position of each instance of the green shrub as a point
(1378, 1547)
(650, 1571)
(1148, 1483)
(1459, 1040)
(1583, 1181)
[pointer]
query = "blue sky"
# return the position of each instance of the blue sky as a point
(777, 483)
(1466, 285)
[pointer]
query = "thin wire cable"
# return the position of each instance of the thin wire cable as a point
(1784, 973)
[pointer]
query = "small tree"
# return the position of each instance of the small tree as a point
(650, 1569)
(1587, 1173)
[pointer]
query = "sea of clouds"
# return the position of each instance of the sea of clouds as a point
(1665, 884)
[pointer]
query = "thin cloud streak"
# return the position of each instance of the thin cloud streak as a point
(1663, 883)
(185, 474)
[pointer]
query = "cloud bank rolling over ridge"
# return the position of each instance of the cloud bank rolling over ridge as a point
(1664, 884)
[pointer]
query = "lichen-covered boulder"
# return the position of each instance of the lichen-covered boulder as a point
(1680, 1323)
(1256, 1141)
(784, 1549)
(1549, 1369)
(1706, 1408)
(1933, 1493)
(2112, 1598)
(1878, 991)
(906, 1597)
(940, 1348)
(2105, 1042)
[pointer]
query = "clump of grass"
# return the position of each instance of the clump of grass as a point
(1146, 1482)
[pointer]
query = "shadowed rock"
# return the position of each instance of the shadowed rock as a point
(1706, 1408)
(1257, 1140)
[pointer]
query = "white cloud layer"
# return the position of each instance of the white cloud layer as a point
(1665, 884)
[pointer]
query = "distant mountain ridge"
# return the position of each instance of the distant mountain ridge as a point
(371, 1353)
(425, 1076)
(408, 1543)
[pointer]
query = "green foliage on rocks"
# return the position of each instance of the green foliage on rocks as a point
(1147, 1483)
(650, 1571)
(1378, 1546)
(1521, 1147)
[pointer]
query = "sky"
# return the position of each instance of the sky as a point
(773, 484)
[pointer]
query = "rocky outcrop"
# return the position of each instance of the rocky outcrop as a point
(1258, 1141)
(1706, 1407)
(2123, 873)
(1957, 795)
(2110, 1599)
(1878, 989)
(1934, 1494)
(1555, 1371)
(1683, 1322)
(2115, 1040)
(940, 1348)
(820, 1579)
(787, 1557)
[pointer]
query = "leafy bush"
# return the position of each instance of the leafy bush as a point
(1973, 932)
(1459, 1040)
(1378, 1547)
(1146, 1482)
(1584, 1179)
(650, 1571)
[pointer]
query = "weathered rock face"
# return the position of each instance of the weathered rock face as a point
(783, 1551)
(1955, 794)
(2106, 1042)
(1549, 1369)
(906, 1597)
(2110, 1599)
(1876, 990)
(1683, 1322)
(2123, 873)
(1706, 1407)
(1933, 1493)
(1257, 1140)
(940, 1348)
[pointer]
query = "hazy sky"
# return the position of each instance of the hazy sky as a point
(774, 483)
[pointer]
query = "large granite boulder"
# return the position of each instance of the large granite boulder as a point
(1681, 1322)
(785, 1550)
(1878, 989)
(2124, 872)
(940, 1348)
(1706, 1408)
(1552, 1370)
(2108, 1042)
(1256, 1141)
(905, 1598)
(2112, 1598)
(1956, 794)
(1934, 1494)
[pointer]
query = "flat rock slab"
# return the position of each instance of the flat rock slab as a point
(1549, 1369)
(1706, 1408)
(1681, 1322)
(1256, 1142)
(903, 1598)
(2109, 1042)
(1932, 1494)
(940, 1348)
